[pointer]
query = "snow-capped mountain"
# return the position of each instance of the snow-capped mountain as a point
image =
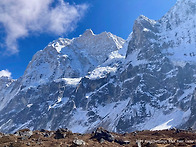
(145, 82)
(65, 58)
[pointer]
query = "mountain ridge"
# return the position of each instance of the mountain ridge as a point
(145, 82)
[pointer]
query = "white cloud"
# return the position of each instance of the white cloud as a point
(5, 73)
(22, 17)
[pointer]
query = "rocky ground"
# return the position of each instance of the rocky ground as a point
(100, 137)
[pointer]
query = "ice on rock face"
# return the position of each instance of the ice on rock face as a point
(98, 46)
(88, 33)
(182, 11)
(178, 29)
(8, 89)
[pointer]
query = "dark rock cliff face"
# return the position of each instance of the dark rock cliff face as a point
(148, 89)
(144, 30)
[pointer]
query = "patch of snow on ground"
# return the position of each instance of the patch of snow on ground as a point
(111, 113)
(70, 81)
(60, 102)
(163, 126)
(166, 121)
(115, 55)
(182, 54)
(88, 94)
(146, 30)
(108, 113)
(29, 105)
(78, 121)
(133, 59)
(101, 72)
(123, 50)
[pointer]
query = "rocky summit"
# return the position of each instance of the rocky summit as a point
(146, 82)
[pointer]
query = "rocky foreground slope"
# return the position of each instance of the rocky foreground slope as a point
(145, 82)
(101, 137)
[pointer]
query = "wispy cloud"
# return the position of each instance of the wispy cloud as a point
(5, 73)
(22, 17)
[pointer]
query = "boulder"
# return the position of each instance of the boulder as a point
(61, 133)
(25, 133)
(78, 142)
(100, 133)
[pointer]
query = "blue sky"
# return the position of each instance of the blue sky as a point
(26, 28)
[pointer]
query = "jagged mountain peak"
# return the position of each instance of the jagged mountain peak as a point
(78, 55)
(88, 32)
(143, 18)
(173, 35)
(178, 28)
(144, 30)
(183, 10)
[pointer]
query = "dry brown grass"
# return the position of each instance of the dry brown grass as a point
(165, 138)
